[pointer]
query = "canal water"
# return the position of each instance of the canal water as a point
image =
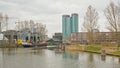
(45, 58)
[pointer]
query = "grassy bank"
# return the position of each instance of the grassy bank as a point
(94, 49)
(116, 53)
(75, 47)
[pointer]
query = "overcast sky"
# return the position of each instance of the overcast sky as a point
(49, 12)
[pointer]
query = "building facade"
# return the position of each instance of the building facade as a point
(98, 37)
(69, 25)
(58, 36)
(27, 35)
(10, 35)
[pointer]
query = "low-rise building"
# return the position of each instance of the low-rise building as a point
(11, 35)
(58, 36)
(98, 37)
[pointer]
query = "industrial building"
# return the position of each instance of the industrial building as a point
(11, 36)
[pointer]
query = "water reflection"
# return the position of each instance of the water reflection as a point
(44, 58)
(103, 57)
(90, 57)
(119, 59)
(37, 52)
(9, 51)
(70, 55)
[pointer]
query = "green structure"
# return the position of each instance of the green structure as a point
(69, 25)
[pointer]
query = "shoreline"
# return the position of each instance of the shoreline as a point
(73, 48)
(100, 53)
(90, 51)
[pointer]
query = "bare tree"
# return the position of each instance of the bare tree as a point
(31, 25)
(90, 22)
(6, 21)
(19, 25)
(22, 25)
(41, 29)
(1, 19)
(112, 13)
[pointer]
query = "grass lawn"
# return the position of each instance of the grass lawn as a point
(93, 48)
(75, 47)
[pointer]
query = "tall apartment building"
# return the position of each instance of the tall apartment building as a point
(66, 25)
(69, 25)
(74, 23)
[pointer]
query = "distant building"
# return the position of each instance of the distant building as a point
(53, 41)
(98, 37)
(69, 25)
(66, 26)
(24, 35)
(74, 23)
(58, 36)
(10, 35)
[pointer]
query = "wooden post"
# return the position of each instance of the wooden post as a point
(103, 52)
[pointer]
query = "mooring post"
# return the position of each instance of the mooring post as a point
(103, 51)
